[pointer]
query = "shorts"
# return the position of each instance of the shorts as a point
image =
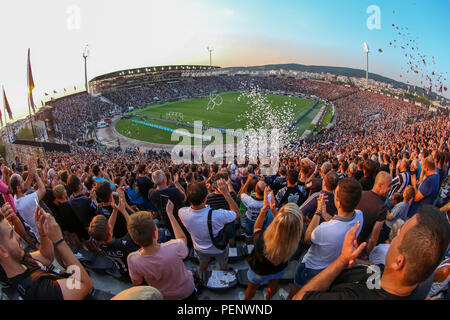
(304, 274)
(257, 279)
(221, 258)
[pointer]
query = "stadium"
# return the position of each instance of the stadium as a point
(191, 182)
(174, 97)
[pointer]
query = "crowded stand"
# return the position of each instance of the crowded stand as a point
(370, 192)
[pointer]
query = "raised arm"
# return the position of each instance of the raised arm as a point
(179, 234)
(223, 189)
(179, 186)
(33, 172)
(321, 207)
(259, 223)
(244, 188)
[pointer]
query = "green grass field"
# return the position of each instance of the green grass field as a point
(223, 116)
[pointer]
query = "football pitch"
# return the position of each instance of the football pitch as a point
(222, 113)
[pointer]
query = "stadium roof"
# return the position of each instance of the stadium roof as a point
(149, 70)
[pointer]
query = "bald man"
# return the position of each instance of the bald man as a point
(374, 208)
(428, 189)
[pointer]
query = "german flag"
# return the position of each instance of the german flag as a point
(30, 83)
(6, 105)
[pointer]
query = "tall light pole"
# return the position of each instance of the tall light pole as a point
(210, 49)
(366, 49)
(85, 56)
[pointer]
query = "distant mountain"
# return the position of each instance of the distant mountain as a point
(338, 71)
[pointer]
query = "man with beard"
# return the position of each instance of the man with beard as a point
(26, 272)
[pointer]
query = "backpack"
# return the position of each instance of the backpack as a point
(224, 235)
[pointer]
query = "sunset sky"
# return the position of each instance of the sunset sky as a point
(136, 33)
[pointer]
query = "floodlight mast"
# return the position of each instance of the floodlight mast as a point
(366, 49)
(210, 49)
(85, 56)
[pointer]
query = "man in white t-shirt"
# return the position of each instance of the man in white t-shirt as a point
(326, 239)
(26, 204)
(195, 219)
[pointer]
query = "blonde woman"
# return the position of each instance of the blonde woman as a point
(274, 247)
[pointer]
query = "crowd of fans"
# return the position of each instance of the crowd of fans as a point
(371, 192)
(75, 115)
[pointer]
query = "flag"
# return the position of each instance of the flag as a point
(30, 84)
(6, 105)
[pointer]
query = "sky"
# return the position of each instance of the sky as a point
(135, 33)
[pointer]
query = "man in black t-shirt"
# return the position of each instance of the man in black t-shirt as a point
(83, 206)
(144, 184)
(370, 171)
(162, 194)
(292, 192)
(27, 273)
(373, 206)
(117, 249)
(412, 257)
(66, 217)
(106, 204)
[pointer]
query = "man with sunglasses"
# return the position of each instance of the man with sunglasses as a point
(29, 273)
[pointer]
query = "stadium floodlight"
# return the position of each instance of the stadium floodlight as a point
(367, 50)
(85, 56)
(210, 49)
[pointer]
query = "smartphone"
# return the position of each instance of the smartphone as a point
(164, 200)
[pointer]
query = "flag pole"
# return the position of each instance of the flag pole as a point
(30, 96)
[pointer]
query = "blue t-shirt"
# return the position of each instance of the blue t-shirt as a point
(99, 179)
(134, 196)
(429, 188)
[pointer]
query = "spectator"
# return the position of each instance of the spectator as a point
(329, 184)
(412, 257)
(327, 238)
(160, 265)
(378, 254)
(101, 229)
(428, 189)
(401, 206)
(292, 192)
(24, 269)
(84, 207)
(26, 204)
(195, 220)
(274, 247)
(373, 206)
(370, 171)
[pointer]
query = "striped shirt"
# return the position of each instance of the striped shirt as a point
(400, 182)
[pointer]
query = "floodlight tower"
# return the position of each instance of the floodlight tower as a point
(85, 56)
(366, 49)
(210, 49)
